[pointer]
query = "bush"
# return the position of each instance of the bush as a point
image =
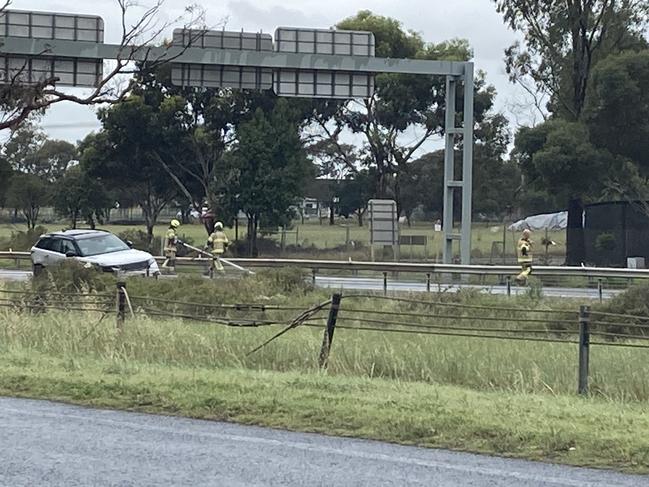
(71, 276)
(634, 301)
(23, 240)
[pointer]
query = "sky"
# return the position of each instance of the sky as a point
(436, 20)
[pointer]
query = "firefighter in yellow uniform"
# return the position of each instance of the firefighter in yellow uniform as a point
(524, 257)
(217, 242)
(171, 246)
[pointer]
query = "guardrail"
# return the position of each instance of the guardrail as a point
(404, 267)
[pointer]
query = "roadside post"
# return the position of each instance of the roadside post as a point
(121, 304)
(584, 348)
(329, 331)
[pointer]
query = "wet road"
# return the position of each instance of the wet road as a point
(44, 443)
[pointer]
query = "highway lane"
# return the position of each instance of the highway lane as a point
(370, 284)
(373, 284)
(44, 443)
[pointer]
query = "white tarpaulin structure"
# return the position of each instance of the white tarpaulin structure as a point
(551, 221)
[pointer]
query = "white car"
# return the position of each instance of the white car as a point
(95, 248)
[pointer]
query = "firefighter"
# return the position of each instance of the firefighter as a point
(217, 242)
(524, 257)
(171, 246)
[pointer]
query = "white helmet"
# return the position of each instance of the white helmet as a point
(218, 225)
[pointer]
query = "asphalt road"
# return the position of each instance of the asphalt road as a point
(370, 284)
(44, 443)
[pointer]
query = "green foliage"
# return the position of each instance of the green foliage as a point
(618, 107)
(128, 154)
(634, 301)
(30, 151)
(268, 169)
(77, 195)
(605, 242)
(563, 41)
(23, 240)
(558, 157)
(72, 276)
(28, 193)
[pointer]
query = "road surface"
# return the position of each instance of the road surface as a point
(44, 443)
(370, 284)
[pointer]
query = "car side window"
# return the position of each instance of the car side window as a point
(68, 246)
(55, 245)
(44, 243)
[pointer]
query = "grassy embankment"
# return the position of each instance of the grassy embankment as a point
(510, 398)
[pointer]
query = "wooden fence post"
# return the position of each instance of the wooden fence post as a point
(584, 348)
(121, 304)
(329, 332)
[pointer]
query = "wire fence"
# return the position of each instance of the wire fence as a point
(364, 313)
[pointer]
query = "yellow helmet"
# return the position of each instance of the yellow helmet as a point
(218, 225)
(174, 224)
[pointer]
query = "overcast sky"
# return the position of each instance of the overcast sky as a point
(436, 20)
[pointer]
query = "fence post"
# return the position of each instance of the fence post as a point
(121, 305)
(428, 282)
(509, 285)
(584, 348)
(600, 290)
(329, 332)
(313, 276)
(385, 282)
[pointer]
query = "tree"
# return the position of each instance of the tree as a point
(79, 196)
(124, 156)
(30, 151)
(354, 193)
(19, 100)
(617, 116)
(28, 193)
(402, 105)
(558, 157)
(268, 168)
(617, 113)
(563, 39)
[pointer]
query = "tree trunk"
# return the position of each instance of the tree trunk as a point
(255, 250)
(249, 235)
(332, 213)
(359, 214)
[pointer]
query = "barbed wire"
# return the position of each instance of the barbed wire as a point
(617, 315)
(466, 335)
(237, 307)
(458, 317)
(457, 305)
(441, 327)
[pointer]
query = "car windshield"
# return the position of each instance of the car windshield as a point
(101, 244)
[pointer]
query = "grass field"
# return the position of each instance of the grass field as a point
(314, 238)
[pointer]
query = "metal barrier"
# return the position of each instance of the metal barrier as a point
(398, 267)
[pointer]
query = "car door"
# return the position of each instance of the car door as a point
(55, 251)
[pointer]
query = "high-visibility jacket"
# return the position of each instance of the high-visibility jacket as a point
(218, 241)
(171, 240)
(524, 251)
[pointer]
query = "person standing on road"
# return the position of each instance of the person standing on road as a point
(524, 257)
(217, 242)
(171, 246)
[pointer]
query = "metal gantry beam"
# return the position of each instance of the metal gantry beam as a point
(232, 57)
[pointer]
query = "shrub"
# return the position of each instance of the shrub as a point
(23, 240)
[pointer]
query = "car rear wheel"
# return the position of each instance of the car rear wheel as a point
(37, 269)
